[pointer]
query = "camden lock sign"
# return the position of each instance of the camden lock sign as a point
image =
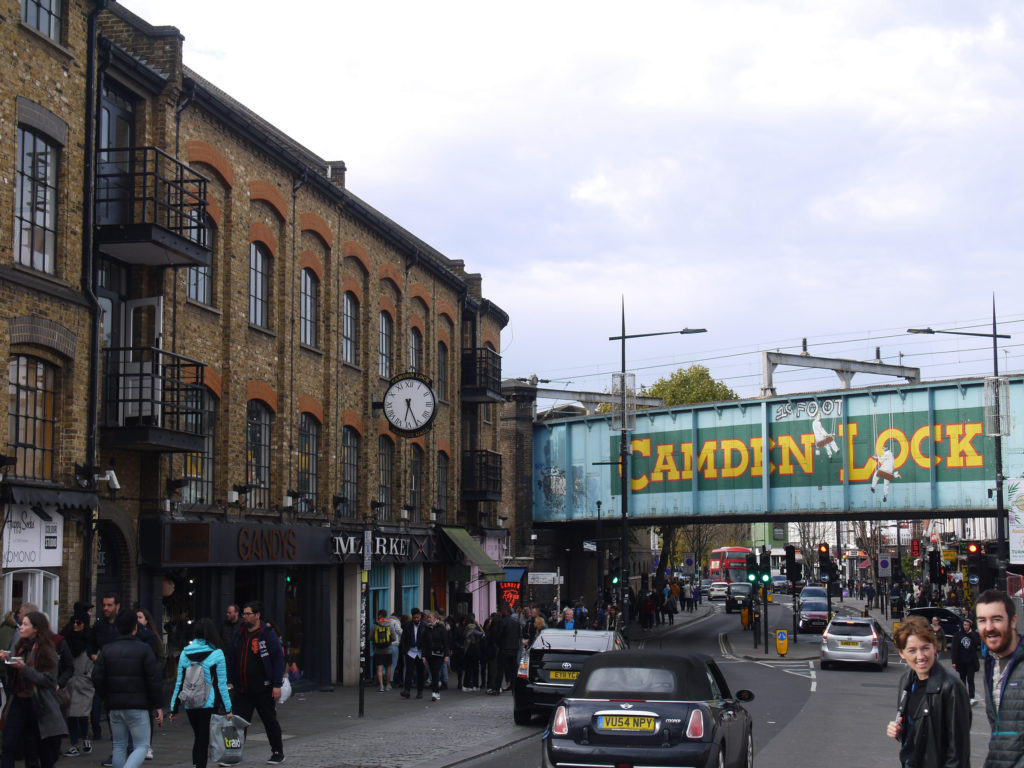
(385, 548)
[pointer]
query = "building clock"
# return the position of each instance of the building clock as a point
(410, 404)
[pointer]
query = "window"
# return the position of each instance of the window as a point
(442, 371)
(416, 483)
(199, 465)
(415, 350)
(31, 417)
(442, 487)
(257, 455)
(44, 16)
(385, 477)
(35, 230)
(309, 442)
(349, 470)
(309, 308)
(350, 329)
(200, 279)
(386, 334)
(259, 285)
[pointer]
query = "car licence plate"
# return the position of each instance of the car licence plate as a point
(639, 723)
(851, 643)
(559, 675)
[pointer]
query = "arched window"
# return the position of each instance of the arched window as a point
(385, 477)
(309, 308)
(441, 504)
(416, 483)
(349, 470)
(442, 371)
(350, 329)
(415, 350)
(309, 447)
(257, 454)
(387, 332)
(200, 279)
(259, 285)
(31, 416)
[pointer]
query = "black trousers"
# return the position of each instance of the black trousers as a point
(199, 719)
(435, 662)
(243, 704)
(967, 678)
(414, 668)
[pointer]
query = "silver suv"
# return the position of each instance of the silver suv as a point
(854, 639)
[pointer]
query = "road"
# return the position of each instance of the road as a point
(803, 716)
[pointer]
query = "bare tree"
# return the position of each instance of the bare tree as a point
(810, 534)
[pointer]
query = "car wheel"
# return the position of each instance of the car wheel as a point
(825, 664)
(749, 756)
(721, 756)
(522, 716)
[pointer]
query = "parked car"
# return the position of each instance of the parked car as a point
(549, 667)
(949, 621)
(738, 596)
(813, 615)
(854, 639)
(650, 708)
(718, 590)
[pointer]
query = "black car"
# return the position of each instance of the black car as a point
(550, 666)
(738, 596)
(949, 621)
(650, 708)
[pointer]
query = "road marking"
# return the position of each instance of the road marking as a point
(723, 648)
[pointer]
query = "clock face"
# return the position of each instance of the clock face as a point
(410, 404)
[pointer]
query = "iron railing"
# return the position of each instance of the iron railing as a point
(150, 387)
(481, 474)
(481, 369)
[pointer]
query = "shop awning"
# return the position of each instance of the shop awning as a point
(864, 564)
(514, 574)
(489, 570)
(62, 498)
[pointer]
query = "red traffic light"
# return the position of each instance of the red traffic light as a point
(973, 548)
(823, 549)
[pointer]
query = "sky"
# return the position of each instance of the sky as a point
(771, 171)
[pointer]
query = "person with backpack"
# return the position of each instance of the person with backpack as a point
(201, 686)
(382, 639)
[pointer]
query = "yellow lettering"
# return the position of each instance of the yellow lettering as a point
(961, 450)
(900, 438)
(731, 446)
(706, 460)
(790, 450)
(665, 464)
(641, 446)
(686, 449)
(919, 437)
(756, 461)
(857, 473)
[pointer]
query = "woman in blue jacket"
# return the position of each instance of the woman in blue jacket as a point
(205, 650)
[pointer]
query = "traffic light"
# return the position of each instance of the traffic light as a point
(792, 567)
(765, 568)
(824, 561)
(974, 557)
(615, 579)
(933, 566)
(915, 547)
(752, 574)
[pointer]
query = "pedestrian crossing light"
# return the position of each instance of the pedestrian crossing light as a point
(752, 567)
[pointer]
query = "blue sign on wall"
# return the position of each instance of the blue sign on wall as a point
(901, 451)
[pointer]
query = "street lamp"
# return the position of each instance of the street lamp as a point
(624, 448)
(1001, 516)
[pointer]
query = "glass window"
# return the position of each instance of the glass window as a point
(442, 487)
(350, 329)
(309, 308)
(257, 455)
(44, 16)
(416, 483)
(35, 225)
(385, 477)
(386, 334)
(200, 279)
(31, 417)
(415, 350)
(199, 464)
(259, 285)
(309, 442)
(442, 371)
(349, 470)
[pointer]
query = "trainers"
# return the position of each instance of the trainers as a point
(419, 694)
(108, 763)
(387, 687)
(86, 746)
(382, 689)
(276, 759)
(72, 752)
(435, 696)
(405, 694)
(149, 753)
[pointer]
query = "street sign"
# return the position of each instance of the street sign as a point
(885, 567)
(542, 577)
(367, 549)
(589, 546)
(689, 563)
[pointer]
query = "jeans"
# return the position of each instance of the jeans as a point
(133, 725)
(436, 664)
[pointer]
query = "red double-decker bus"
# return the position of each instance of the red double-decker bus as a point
(729, 564)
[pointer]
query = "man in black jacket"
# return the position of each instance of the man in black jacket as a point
(437, 652)
(964, 653)
(127, 678)
(411, 648)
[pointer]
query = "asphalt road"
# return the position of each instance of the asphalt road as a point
(803, 716)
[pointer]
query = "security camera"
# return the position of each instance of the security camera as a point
(111, 477)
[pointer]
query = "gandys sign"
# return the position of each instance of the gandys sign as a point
(881, 451)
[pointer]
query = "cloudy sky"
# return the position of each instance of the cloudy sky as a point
(767, 170)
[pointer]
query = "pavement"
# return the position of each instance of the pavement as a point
(324, 730)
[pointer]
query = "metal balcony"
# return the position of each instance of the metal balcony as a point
(481, 476)
(152, 400)
(150, 208)
(481, 376)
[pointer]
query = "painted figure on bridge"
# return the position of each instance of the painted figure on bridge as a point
(885, 468)
(822, 438)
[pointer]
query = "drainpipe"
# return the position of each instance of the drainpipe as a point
(92, 80)
(189, 97)
(291, 357)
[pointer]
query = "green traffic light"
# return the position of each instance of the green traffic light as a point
(751, 576)
(615, 579)
(766, 577)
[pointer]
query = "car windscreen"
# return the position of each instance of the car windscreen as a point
(643, 682)
(814, 605)
(739, 589)
(586, 640)
(850, 628)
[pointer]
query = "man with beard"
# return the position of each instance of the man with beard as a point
(1004, 679)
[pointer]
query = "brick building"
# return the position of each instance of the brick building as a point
(200, 321)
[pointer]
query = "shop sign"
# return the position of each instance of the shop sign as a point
(511, 593)
(32, 542)
(261, 543)
(382, 547)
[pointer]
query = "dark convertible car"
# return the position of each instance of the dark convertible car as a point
(650, 708)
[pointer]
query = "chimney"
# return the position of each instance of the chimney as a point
(336, 172)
